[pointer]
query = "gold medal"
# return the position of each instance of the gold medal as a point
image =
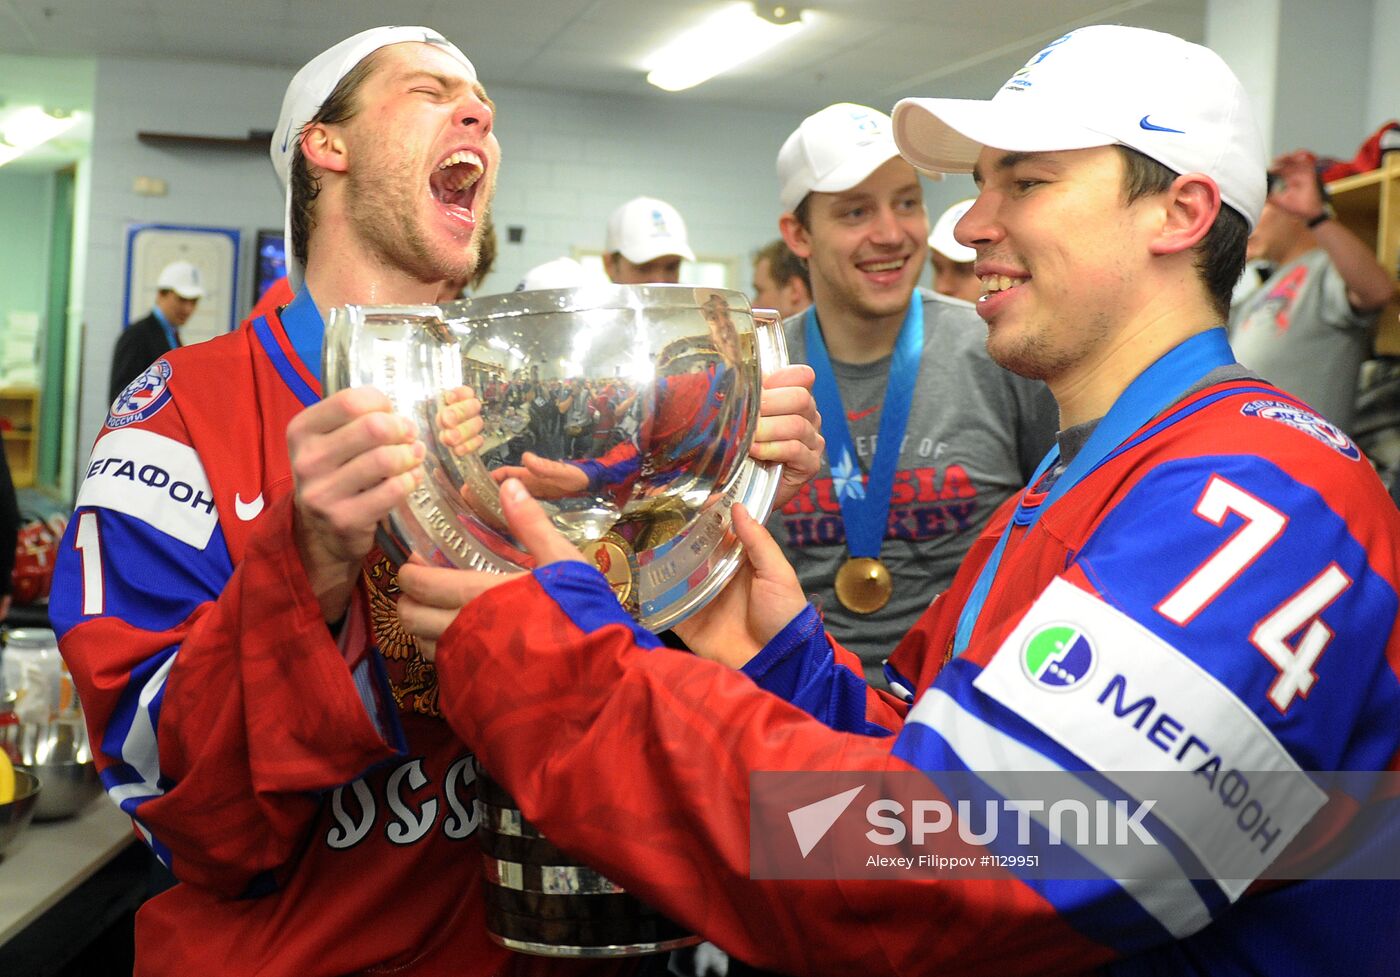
(610, 555)
(863, 585)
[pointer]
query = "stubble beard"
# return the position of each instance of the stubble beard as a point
(1030, 352)
(386, 218)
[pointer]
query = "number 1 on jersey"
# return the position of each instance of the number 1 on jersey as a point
(88, 542)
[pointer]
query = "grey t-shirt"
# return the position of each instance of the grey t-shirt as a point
(1299, 332)
(975, 434)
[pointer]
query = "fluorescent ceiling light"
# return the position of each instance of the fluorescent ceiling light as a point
(734, 34)
(27, 127)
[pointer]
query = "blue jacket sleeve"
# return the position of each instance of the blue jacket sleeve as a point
(800, 666)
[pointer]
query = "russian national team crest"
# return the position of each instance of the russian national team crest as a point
(1306, 421)
(142, 397)
(1058, 657)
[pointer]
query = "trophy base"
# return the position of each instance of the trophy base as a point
(594, 948)
(542, 901)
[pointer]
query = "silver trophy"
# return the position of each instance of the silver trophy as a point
(628, 411)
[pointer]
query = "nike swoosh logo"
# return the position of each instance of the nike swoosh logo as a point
(287, 136)
(247, 511)
(861, 414)
(1156, 128)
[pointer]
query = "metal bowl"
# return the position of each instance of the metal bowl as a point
(16, 815)
(58, 754)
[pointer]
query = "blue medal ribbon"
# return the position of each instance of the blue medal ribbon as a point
(865, 509)
(1155, 389)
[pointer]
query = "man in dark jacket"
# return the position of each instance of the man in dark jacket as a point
(178, 291)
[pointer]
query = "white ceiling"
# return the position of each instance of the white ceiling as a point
(869, 51)
(861, 50)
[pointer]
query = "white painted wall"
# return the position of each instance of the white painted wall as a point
(1324, 74)
(1244, 33)
(26, 210)
(1383, 94)
(1321, 76)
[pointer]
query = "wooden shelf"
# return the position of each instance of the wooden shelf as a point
(1368, 204)
(20, 406)
(253, 140)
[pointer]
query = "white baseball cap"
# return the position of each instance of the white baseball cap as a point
(559, 273)
(183, 279)
(1169, 99)
(942, 240)
(313, 84)
(834, 150)
(644, 229)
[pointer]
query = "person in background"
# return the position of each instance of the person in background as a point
(645, 244)
(780, 280)
(1310, 325)
(925, 435)
(953, 274)
(1196, 582)
(229, 621)
(563, 272)
(179, 288)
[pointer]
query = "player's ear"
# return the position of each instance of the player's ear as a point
(797, 237)
(324, 147)
(1184, 213)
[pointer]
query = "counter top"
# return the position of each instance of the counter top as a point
(52, 858)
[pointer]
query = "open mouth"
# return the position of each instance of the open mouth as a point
(890, 264)
(993, 284)
(454, 181)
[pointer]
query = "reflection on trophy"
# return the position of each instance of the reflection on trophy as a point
(628, 412)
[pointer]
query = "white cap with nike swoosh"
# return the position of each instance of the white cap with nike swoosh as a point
(1169, 99)
(314, 83)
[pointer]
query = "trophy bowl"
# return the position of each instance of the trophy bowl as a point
(628, 410)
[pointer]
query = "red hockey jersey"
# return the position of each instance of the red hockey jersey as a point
(1239, 561)
(319, 817)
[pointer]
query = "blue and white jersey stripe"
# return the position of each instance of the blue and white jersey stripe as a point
(940, 734)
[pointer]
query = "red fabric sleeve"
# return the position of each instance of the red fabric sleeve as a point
(258, 713)
(639, 762)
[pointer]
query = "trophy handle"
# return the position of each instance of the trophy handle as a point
(770, 343)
